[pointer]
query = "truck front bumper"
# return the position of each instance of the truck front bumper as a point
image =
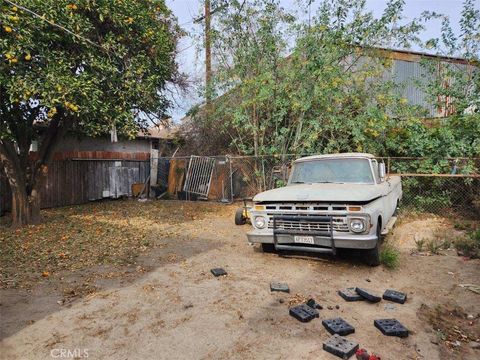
(346, 241)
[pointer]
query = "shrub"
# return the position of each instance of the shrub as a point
(469, 245)
(419, 244)
(433, 202)
(433, 246)
(446, 244)
(390, 257)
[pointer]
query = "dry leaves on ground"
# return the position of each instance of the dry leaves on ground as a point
(101, 233)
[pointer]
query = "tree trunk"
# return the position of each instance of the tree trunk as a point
(25, 208)
(25, 202)
(26, 176)
(19, 208)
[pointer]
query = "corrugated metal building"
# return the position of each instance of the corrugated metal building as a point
(408, 71)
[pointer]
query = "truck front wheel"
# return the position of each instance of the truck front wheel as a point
(240, 218)
(372, 256)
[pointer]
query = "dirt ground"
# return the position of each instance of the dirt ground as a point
(165, 304)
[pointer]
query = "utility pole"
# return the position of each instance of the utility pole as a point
(207, 16)
(208, 60)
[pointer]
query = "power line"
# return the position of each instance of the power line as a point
(56, 25)
(186, 48)
(187, 22)
(71, 32)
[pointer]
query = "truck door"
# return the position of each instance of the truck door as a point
(388, 199)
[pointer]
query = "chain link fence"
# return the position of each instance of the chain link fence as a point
(439, 186)
(173, 172)
(443, 195)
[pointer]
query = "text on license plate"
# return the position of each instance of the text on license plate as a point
(303, 239)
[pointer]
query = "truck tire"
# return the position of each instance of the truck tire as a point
(239, 218)
(268, 248)
(372, 256)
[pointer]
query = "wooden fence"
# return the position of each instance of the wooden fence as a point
(71, 182)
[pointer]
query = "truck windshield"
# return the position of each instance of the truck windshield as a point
(332, 171)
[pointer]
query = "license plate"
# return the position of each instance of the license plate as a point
(303, 239)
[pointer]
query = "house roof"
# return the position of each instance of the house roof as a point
(158, 132)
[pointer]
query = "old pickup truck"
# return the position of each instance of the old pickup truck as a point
(330, 202)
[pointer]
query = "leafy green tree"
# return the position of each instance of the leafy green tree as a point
(290, 86)
(336, 90)
(83, 65)
(296, 87)
(453, 87)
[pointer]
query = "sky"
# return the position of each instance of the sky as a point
(191, 59)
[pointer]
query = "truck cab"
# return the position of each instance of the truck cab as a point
(331, 201)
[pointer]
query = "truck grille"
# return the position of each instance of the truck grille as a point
(338, 225)
(337, 211)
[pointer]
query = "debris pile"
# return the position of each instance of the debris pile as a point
(307, 310)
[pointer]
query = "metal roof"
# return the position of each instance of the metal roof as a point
(416, 55)
(336, 156)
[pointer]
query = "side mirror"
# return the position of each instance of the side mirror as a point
(381, 171)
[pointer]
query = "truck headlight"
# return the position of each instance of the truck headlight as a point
(357, 225)
(260, 222)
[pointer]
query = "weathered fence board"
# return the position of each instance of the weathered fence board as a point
(71, 182)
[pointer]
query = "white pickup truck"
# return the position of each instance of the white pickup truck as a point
(330, 201)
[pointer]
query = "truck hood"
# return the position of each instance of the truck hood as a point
(322, 192)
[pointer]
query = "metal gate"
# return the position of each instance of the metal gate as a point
(199, 175)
